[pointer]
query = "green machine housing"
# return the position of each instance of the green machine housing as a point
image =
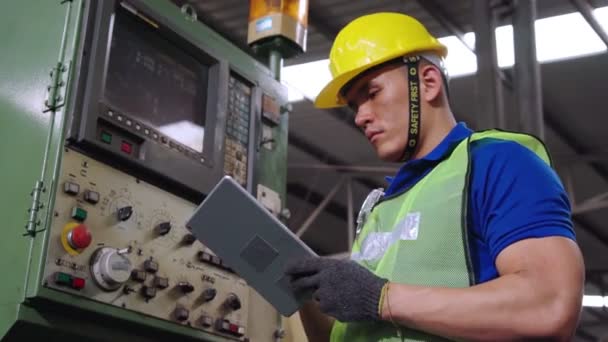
(117, 117)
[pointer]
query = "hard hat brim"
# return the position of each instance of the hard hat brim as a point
(329, 96)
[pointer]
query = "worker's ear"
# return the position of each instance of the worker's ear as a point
(431, 83)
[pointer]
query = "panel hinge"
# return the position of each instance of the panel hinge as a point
(33, 222)
(54, 100)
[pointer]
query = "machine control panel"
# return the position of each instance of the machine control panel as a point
(237, 129)
(120, 241)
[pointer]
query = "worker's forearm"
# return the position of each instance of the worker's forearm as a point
(507, 308)
(316, 324)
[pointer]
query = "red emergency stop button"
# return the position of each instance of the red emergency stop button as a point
(77, 283)
(79, 237)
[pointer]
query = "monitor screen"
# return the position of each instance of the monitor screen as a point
(156, 82)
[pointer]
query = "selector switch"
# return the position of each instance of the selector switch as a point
(91, 196)
(209, 294)
(185, 287)
(71, 188)
(181, 314)
(151, 266)
(124, 213)
(188, 239)
(163, 228)
(138, 275)
(160, 282)
(148, 292)
(232, 302)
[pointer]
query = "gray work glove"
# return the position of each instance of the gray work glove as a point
(344, 289)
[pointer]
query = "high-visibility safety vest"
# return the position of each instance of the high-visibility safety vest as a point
(419, 236)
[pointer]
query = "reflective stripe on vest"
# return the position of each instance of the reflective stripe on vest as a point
(419, 237)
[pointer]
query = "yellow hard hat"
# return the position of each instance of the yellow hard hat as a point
(371, 40)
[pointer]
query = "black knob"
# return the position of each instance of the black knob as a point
(188, 239)
(163, 228)
(125, 213)
(151, 266)
(181, 314)
(160, 282)
(209, 294)
(148, 292)
(233, 302)
(138, 275)
(185, 287)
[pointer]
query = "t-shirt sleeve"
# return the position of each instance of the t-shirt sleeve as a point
(515, 196)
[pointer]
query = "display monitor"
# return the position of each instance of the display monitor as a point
(154, 97)
(156, 82)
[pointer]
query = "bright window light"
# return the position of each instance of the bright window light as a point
(565, 36)
(460, 61)
(595, 301)
(307, 78)
(293, 94)
(557, 38)
(601, 15)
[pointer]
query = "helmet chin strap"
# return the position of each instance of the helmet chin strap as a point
(413, 131)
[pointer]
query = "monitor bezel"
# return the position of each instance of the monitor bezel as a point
(195, 171)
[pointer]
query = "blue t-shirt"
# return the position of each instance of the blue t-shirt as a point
(513, 195)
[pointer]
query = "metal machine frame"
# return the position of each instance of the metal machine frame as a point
(55, 43)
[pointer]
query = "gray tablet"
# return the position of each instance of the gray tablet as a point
(251, 241)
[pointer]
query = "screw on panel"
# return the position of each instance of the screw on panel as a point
(279, 334)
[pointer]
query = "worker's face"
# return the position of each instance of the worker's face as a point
(380, 101)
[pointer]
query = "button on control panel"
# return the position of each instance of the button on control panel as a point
(237, 129)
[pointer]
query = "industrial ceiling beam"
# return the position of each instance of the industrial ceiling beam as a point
(488, 89)
(444, 19)
(586, 10)
(313, 216)
(528, 91)
(325, 157)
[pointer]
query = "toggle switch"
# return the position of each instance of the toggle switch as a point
(185, 287)
(232, 302)
(188, 239)
(124, 213)
(163, 228)
(209, 294)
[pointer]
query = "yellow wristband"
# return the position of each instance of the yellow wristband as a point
(381, 301)
(390, 314)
